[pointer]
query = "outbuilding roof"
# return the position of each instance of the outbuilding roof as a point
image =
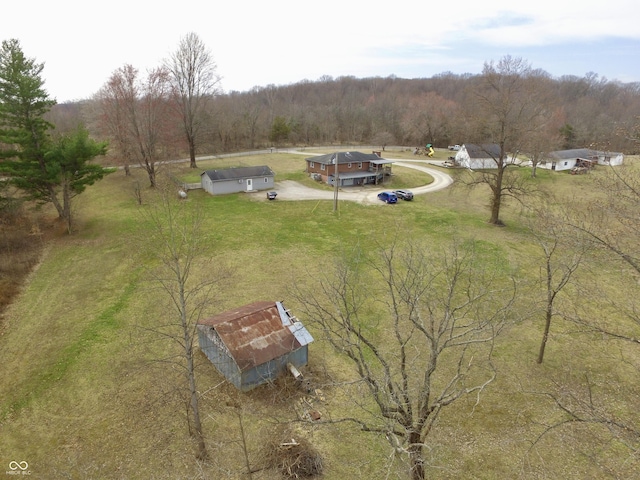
(486, 150)
(259, 332)
(345, 157)
(584, 153)
(237, 173)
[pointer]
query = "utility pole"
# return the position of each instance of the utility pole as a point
(335, 184)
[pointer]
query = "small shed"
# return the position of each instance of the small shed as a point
(237, 179)
(255, 343)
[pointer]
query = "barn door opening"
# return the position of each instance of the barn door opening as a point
(249, 184)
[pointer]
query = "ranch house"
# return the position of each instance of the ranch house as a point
(238, 179)
(580, 157)
(354, 168)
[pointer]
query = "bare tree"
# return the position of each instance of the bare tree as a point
(430, 117)
(541, 142)
(137, 113)
(612, 226)
(419, 331)
(609, 315)
(195, 81)
(177, 241)
(112, 122)
(507, 106)
(587, 416)
(563, 254)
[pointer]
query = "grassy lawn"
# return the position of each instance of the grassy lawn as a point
(83, 395)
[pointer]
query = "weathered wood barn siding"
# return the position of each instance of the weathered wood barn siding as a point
(218, 354)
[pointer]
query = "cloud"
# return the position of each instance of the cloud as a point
(283, 41)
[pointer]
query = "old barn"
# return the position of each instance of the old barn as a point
(255, 343)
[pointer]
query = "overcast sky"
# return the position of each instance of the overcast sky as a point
(258, 43)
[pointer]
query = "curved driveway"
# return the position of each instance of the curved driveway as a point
(291, 190)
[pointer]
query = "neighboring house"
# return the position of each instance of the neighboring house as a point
(580, 157)
(354, 168)
(253, 344)
(239, 179)
(479, 157)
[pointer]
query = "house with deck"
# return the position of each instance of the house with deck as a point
(350, 168)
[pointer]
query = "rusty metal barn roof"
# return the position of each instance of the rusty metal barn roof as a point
(258, 332)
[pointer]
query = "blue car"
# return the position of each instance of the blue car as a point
(388, 197)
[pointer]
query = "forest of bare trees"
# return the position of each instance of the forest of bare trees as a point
(441, 110)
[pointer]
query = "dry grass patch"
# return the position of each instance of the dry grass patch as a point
(85, 395)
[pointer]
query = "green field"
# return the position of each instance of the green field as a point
(83, 395)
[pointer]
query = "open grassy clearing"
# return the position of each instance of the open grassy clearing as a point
(80, 396)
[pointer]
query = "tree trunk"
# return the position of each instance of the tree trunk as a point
(151, 172)
(496, 200)
(195, 408)
(56, 203)
(66, 203)
(415, 456)
(545, 335)
(188, 336)
(245, 448)
(192, 153)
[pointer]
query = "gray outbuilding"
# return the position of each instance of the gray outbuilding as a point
(254, 344)
(237, 179)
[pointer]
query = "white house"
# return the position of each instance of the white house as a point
(480, 157)
(580, 157)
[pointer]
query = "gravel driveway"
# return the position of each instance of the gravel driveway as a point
(368, 194)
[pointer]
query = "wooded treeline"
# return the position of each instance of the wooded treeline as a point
(587, 111)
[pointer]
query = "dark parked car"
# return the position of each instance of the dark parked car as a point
(388, 197)
(404, 194)
(272, 195)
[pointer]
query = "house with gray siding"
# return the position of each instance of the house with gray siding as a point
(238, 179)
(255, 343)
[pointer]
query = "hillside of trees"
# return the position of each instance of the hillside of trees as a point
(583, 111)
